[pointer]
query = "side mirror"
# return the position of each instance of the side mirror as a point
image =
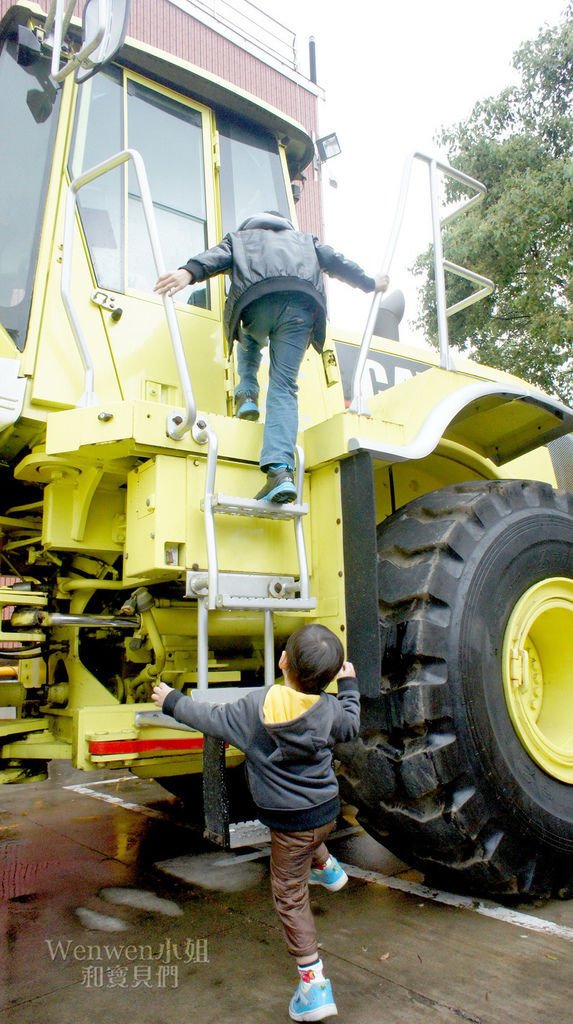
(114, 15)
(104, 27)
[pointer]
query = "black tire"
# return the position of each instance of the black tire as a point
(439, 774)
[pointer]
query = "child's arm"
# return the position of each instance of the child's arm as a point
(232, 722)
(347, 713)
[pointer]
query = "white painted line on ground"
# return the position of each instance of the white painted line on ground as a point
(227, 859)
(107, 782)
(149, 812)
(488, 909)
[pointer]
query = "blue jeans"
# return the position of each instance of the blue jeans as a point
(286, 320)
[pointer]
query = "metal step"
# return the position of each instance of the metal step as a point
(231, 835)
(248, 833)
(146, 719)
(225, 504)
(250, 591)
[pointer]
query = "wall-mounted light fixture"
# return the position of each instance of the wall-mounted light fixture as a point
(327, 147)
(297, 185)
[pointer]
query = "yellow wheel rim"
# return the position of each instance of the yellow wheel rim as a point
(538, 675)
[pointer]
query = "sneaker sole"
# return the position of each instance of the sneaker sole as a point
(331, 886)
(248, 414)
(281, 495)
(328, 1010)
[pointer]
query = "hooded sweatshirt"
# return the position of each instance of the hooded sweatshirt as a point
(267, 255)
(289, 759)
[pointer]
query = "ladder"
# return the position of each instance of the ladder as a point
(217, 591)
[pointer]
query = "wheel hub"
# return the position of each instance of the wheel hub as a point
(538, 675)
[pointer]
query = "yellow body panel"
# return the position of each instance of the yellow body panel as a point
(165, 535)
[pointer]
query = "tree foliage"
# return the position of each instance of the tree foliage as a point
(520, 145)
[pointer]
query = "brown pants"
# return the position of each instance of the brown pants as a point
(292, 855)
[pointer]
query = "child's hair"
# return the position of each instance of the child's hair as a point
(315, 656)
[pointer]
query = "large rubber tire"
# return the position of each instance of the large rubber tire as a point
(440, 775)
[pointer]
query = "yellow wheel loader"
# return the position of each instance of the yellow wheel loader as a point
(432, 528)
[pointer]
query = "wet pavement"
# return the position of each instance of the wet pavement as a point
(115, 908)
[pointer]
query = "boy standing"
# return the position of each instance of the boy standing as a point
(287, 733)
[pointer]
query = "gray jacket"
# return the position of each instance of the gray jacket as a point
(267, 255)
(289, 764)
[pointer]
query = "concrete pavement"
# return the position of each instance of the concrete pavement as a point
(114, 908)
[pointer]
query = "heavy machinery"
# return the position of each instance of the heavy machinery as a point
(432, 530)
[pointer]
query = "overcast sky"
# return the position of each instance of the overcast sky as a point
(393, 75)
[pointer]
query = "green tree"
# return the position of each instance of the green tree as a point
(520, 145)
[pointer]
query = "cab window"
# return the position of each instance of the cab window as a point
(98, 134)
(28, 116)
(252, 177)
(169, 136)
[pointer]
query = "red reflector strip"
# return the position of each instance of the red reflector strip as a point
(99, 747)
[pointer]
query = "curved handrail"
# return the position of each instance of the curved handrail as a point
(177, 425)
(358, 403)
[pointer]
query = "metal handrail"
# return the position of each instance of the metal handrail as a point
(358, 403)
(209, 436)
(304, 581)
(58, 14)
(177, 425)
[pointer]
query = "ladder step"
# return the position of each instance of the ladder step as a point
(255, 591)
(221, 694)
(148, 719)
(248, 833)
(225, 504)
(261, 604)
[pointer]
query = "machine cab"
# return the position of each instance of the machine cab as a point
(211, 159)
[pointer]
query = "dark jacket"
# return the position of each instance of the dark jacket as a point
(289, 764)
(267, 255)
